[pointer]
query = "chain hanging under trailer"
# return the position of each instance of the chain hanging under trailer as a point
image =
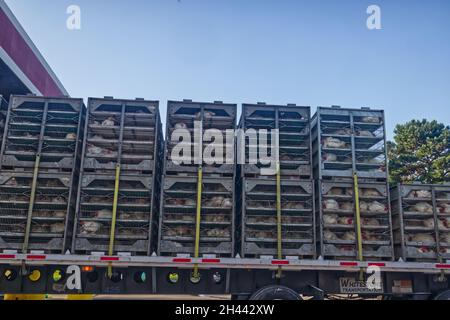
(112, 234)
(35, 180)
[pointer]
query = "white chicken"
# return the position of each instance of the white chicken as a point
(422, 194)
(333, 143)
(369, 236)
(445, 238)
(11, 182)
(349, 236)
(330, 204)
(423, 207)
(363, 206)
(90, 227)
(376, 206)
(371, 222)
(71, 136)
(218, 233)
(446, 222)
(343, 132)
(329, 157)
(370, 119)
(58, 214)
(425, 250)
(94, 149)
(227, 203)
(181, 125)
(109, 122)
(370, 193)
(293, 205)
(364, 133)
(347, 206)
(444, 208)
(330, 219)
(336, 192)
(103, 214)
(329, 236)
(57, 228)
(420, 238)
(345, 221)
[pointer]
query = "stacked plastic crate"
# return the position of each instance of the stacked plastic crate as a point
(120, 177)
(3, 111)
(349, 150)
(352, 198)
(421, 222)
(39, 160)
(276, 219)
(199, 180)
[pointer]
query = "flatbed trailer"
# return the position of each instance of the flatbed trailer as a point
(243, 278)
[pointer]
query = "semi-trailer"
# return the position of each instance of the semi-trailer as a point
(241, 267)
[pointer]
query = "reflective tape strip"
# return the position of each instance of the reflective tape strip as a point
(109, 258)
(280, 262)
(181, 260)
(35, 257)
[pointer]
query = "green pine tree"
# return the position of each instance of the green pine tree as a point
(420, 152)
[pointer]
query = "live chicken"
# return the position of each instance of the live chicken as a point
(329, 236)
(370, 119)
(334, 143)
(57, 228)
(370, 193)
(90, 227)
(420, 238)
(329, 157)
(71, 136)
(423, 207)
(181, 125)
(444, 208)
(103, 214)
(347, 206)
(330, 204)
(330, 219)
(349, 236)
(345, 221)
(364, 133)
(372, 222)
(109, 122)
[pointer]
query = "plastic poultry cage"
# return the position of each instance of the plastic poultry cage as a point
(294, 139)
(337, 221)
(421, 217)
(39, 159)
(177, 224)
(123, 138)
(3, 111)
(348, 141)
(200, 133)
(258, 219)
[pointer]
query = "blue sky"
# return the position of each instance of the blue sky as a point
(316, 53)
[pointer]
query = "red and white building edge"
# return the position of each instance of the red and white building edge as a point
(20, 54)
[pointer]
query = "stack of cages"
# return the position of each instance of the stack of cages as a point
(197, 207)
(421, 222)
(349, 149)
(40, 158)
(3, 111)
(118, 194)
(266, 229)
